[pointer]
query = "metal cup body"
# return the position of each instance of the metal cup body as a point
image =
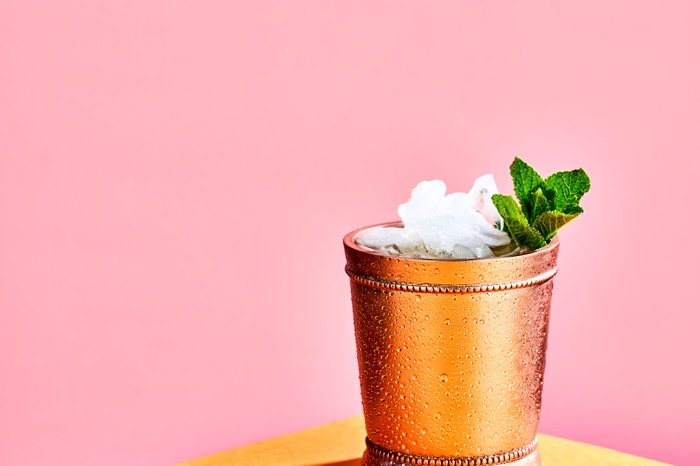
(451, 354)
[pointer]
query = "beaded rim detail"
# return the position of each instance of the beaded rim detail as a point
(423, 288)
(402, 458)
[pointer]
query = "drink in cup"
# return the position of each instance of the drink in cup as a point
(451, 330)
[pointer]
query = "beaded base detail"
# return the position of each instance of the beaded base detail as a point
(391, 457)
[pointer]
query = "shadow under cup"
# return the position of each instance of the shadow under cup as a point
(451, 354)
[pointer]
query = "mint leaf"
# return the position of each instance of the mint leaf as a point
(540, 204)
(525, 181)
(573, 209)
(568, 189)
(507, 206)
(516, 223)
(545, 205)
(549, 222)
(525, 234)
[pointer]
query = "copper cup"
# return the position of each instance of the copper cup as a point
(451, 355)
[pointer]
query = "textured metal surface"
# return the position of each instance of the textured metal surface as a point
(381, 456)
(533, 459)
(451, 374)
(422, 288)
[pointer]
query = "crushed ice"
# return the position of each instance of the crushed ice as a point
(457, 225)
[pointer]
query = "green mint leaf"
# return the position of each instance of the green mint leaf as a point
(573, 209)
(568, 188)
(525, 235)
(549, 193)
(516, 223)
(549, 222)
(507, 206)
(540, 204)
(525, 181)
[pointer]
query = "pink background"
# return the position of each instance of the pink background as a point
(176, 178)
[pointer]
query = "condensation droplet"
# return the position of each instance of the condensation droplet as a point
(443, 377)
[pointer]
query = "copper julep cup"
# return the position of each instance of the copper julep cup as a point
(451, 355)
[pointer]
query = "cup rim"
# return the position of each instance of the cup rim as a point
(349, 242)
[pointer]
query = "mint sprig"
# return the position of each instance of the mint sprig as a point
(516, 223)
(545, 204)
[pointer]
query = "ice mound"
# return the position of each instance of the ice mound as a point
(455, 226)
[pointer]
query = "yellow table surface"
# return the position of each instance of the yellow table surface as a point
(342, 443)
